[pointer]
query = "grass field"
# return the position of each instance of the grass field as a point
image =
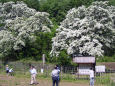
(24, 80)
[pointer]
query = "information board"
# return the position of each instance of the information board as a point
(100, 68)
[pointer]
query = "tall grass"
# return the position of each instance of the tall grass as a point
(105, 80)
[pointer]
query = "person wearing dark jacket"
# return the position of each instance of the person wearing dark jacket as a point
(55, 76)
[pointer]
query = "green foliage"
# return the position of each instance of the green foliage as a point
(3, 1)
(63, 58)
(106, 59)
(77, 3)
(58, 8)
(112, 2)
(34, 51)
(1, 25)
(32, 4)
(105, 80)
(101, 0)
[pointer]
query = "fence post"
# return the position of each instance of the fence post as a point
(46, 71)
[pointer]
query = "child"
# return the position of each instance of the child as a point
(7, 69)
(11, 71)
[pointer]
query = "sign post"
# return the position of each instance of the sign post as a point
(43, 59)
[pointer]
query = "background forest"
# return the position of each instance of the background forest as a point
(43, 43)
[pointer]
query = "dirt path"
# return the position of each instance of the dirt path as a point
(14, 81)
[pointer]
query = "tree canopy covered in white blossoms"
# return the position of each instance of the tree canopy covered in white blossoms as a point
(18, 23)
(86, 31)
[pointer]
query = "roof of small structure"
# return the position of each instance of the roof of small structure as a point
(84, 59)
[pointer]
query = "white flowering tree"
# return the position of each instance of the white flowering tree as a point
(86, 31)
(18, 23)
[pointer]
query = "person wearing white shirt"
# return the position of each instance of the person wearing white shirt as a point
(91, 73)
(11, 71)
(55, 76)
(33, 75)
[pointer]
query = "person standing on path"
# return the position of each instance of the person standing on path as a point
(91, 73)
(55, 76)
(33, 75)
(7, 69)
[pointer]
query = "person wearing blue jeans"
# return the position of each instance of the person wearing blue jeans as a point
(55, 76)
(91, 81)
(91, 73)
(55, 80)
